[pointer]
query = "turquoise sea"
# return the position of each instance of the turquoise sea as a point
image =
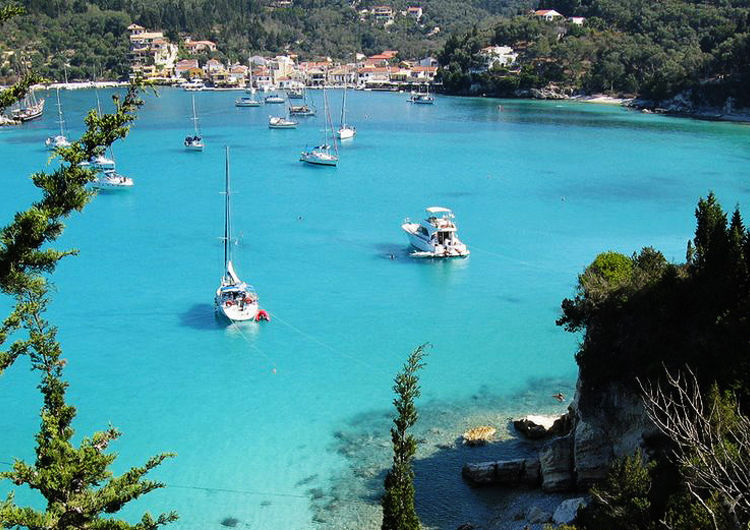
(285, 424)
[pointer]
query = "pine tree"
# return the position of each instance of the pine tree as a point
(80, 490)
(711, 240)
(399, 512)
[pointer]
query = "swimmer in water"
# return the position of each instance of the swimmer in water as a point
(559, 397)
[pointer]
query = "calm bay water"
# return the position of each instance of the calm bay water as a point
(272, 423)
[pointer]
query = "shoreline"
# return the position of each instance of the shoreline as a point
(705, 114)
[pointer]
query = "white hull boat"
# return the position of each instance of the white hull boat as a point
(319, 156)
(346, 132)
(234, 300)
(111, 180)
(271, 100)
(53, 142)
(60, 140)
(323, 155)
(436, 236)
(276, 122)
(194, 142)
(246, 102)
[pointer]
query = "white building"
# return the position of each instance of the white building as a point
(548, 15)
(497, 56)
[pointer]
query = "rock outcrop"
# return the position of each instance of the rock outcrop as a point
(556, 459)
(567, 511)
(506, 473)
(601, 424)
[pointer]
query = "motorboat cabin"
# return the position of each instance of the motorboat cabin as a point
(436, 236)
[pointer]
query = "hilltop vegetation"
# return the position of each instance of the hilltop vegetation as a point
(653, 50)
(91, 35)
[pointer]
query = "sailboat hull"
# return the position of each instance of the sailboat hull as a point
(319, 159)
(235, 312)
(346, 133)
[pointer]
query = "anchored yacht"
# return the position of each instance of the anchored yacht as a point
(436, 236)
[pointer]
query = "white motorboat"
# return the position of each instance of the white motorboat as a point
(196, 85)
(235, 300)
(59, 140)
(111, 180)
(436, 236)
(345, 131)
(194, 142)
(323, 154)
(246, 101)
(273, 99)
(279, 122)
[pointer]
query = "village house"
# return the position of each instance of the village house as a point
(549, 15)
(414, 11)
(195, 46)
(182, 68)
(343, 75)
(423, 74)
(151, 48)
(382, 13)
(497, 56)
(262, 78)
(577, 21)
(373, 76)
(212, 66)
(427, 61)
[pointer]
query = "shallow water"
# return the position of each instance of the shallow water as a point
(261, 416)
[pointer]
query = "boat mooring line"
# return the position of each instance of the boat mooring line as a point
(252, 345)
(510, 258)
(321, 343)
(246, 492)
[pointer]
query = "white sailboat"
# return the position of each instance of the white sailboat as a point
(234, 300)
(345, 131)
(194, 142)
(107, 178)
(422, 98)
(323, 155)
(59, 140)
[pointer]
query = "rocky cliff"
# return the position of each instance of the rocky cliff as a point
(601, 424)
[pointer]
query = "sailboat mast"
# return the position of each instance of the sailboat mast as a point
(343, 108)
(195, 119)
(60, 114)
(227, 227)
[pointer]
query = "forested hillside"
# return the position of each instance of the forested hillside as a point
(91, 36)
(654, 50)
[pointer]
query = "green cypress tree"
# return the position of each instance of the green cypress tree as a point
(399, 512)
(711, 239)
(79, 489)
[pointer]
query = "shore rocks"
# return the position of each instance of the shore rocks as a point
(593, 453)
(536, 427)
(556, 459)
(536, 515)
(567, 511)
(503, 472)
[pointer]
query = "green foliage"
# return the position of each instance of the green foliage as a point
(665, 314)
(91, 35)
(622, 501)
(398, 502)
(79, 489)
(650, 49)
